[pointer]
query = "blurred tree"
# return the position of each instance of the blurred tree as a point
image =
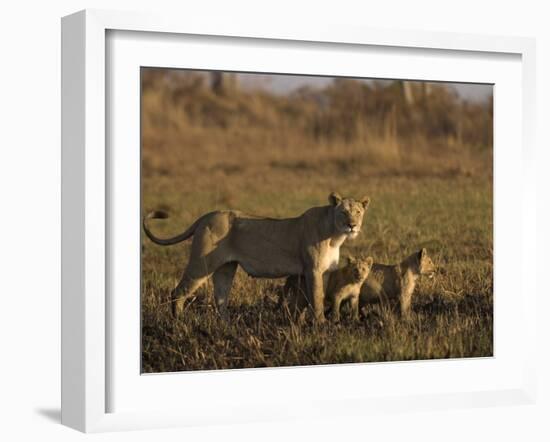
(223, 83)
(415, 91)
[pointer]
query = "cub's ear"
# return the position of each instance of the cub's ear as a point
(365, 201)
(370, 261)
(351, 259)
(422, 254)
(334, 198)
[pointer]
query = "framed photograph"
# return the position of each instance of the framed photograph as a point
(264, 223)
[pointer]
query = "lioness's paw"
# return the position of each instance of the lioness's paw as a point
(320, 319)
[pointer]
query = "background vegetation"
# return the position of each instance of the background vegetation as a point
(422, 154)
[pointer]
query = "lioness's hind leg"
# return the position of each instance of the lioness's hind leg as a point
(223, 280)
(183, 291)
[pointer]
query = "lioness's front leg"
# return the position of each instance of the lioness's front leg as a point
(405, 304)
(314, 283)
(355, 307)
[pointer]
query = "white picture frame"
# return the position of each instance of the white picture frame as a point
(87, 354)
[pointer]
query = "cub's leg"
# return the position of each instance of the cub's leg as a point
(339, 296)
(223, 280)
(355, 307)
(326, 277)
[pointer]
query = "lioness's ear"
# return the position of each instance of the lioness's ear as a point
(334, 198)
(365, 201)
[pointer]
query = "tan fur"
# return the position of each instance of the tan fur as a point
(342, 284)
(307, 245)
(393, 285)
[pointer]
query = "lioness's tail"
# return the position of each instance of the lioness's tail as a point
(168, 241)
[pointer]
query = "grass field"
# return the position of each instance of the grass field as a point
(421, 196)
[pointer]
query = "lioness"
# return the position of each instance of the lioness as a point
(265, 248)
(394, 285)
(343, 284)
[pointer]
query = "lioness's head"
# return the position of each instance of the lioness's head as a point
(425, 264)
(348, 213)
(359, 269)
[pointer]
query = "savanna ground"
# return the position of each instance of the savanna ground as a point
(425, 163)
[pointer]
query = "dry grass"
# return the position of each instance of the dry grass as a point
(430, 186)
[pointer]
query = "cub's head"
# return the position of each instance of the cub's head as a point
(425, 264)
(348, 214)
(359, 269)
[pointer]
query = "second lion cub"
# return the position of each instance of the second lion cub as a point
(394, 284)
(342, 284)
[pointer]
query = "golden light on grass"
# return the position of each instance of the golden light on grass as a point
(427, 166)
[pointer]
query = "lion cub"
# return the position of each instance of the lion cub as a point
(395, 284)
(342, 284)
